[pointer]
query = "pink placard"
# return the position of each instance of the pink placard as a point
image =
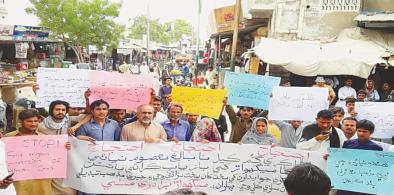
(36, 157)
(118, 80)
(121, 98)
(121, 91)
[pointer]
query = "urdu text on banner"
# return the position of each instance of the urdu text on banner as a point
(205, 102)
(249, 90)
(215, 168)
(297, 103)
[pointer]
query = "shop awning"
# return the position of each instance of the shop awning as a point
(346, 56)
(376, 20)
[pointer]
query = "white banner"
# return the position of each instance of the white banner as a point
(381, 114)
(215, 168)
(297, 103)
(62, 84)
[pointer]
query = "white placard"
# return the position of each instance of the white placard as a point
(62, 84)
(215, 168)
(381, 114)
(297, 103)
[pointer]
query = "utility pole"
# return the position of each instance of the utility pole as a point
(235, 34)
(198, 39)
(147, 34)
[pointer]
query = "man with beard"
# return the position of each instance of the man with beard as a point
(119, 115)
(349, 128)
(240, 125)
(57, 123)
(176, 129)
(144, 129)
(321, 135)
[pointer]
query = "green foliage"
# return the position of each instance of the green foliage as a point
(80, 22)
(161, 33)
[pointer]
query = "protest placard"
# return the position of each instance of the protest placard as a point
(205, 102)
(297, 103)
(121, 91)
(36, 157)
(381, 114)
(62, 84)
(215, 168)
(363, 171)
(249, 90)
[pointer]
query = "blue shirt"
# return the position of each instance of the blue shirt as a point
(356, 144)
(109, 132)
(181, 130)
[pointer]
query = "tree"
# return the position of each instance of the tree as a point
(179, 28)
(166, 33)
(80, 23)
(139, 28)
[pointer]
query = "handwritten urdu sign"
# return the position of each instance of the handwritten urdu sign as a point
(121, 90)
(381, 114)
(206, 102)
(249, 90)
(363, 171)
(36, 157)
(215, 168)
(62, 84)
(297, 103)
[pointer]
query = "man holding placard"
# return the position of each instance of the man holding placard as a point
(29, 123)
(240, 125)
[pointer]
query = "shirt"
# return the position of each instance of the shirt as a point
(137, 132)
(322, 146)
(181, 131)
(160, 118)
(289, 136)
(239, 126)
(10, 190)
(164, 91)
(343, 93)
(356, 144)
(109, 132)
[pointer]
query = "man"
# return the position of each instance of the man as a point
(119, 115)
(386, 91)
(158, 116)
(346, 92)
(166, 89)
(338, 116)
(307, 179)
(320, 82)
(240, 125)
(75, 111)
(144, 69)
(210, 78)
(350, 105)
(322, 135)
(144, 129)
(290, 132)
(57, 123)
(192, 120)
(100, 127)
(365, 129)
(349, 128)
(361, 95)
(29, 123)
(176, 129)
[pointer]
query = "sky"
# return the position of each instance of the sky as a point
(165, 10)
